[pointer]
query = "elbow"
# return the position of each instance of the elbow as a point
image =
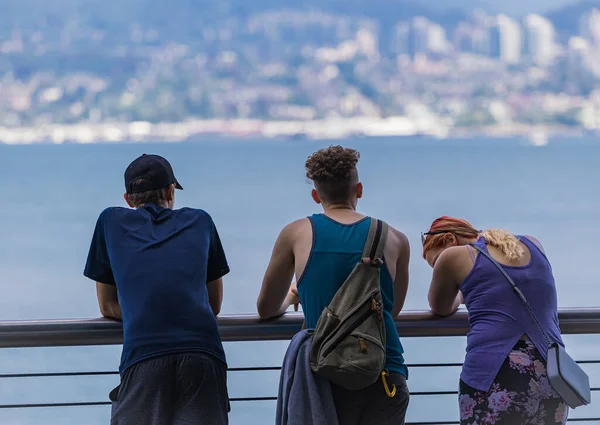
(443, 311)
(215, 304)
(398, 306)
(438, 308)
(264, 311)
(106, 310)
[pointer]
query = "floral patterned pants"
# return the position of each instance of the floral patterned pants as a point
(520, 394)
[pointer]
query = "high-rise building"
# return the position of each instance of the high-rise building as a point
(506, 39)
(401, 41)
(368, 43)
(437, 41)
(579, 71)
(589, 27)
(540, 46)
(463, 37)
(420, 28)
(421, 37)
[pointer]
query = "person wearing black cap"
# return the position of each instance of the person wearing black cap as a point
(160, 270)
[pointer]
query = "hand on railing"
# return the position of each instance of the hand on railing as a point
(293, 296)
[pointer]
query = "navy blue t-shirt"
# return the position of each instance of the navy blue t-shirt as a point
(160, 261)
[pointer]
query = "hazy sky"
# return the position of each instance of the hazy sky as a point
(516, 7)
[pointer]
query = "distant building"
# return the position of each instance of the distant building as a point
(579, 55)
(470, 38)
(420, 37)
(506, 40)
(368, 43)
(540, 45)
(589, 27)
(420, 30)
(437, 42)
(463, 37)
(480, 36)
(401, 40)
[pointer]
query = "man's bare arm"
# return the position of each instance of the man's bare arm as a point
(215, 295)
(401, 278)
(108, 301)
(274, 298)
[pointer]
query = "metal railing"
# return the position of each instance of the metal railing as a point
(236, 328)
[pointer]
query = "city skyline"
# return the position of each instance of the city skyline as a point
(90, 74)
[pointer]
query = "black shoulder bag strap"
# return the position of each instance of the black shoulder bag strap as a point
(517, 291)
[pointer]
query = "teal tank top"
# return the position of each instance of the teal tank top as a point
(336, 249)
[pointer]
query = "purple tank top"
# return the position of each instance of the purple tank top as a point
(498, 318)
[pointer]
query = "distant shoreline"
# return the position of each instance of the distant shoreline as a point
(330, 129)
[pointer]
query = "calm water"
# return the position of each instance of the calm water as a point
(52, 196)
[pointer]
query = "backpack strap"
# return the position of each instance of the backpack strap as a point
(375, 243)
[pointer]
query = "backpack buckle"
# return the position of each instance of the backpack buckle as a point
(377, 262)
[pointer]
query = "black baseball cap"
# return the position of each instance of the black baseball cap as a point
(152, 172)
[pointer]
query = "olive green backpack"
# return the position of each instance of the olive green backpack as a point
(348, 346)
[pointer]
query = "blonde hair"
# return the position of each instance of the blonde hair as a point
(505, 241)
(502, 239)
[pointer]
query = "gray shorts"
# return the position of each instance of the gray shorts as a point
(372, 406)
(178, 389)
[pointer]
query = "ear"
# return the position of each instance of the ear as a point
(171, 193)
(450, 239)
(359, 190)
(315, 196)
(126, 197)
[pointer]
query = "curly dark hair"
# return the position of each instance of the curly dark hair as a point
(333, 170)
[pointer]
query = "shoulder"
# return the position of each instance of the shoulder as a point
(398, 236)
(193, 213)
(453, 258)
(397, 239)
(296, 227)
(109, 213)
(535, 241)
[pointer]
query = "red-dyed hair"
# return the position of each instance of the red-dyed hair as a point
(456, 226)
(502, 239)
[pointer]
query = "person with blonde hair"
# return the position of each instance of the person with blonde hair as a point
(503, 379)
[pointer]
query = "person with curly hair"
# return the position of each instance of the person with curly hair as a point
(321, 251)
(503, 379)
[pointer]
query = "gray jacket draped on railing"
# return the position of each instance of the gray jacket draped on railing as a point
(304, 397)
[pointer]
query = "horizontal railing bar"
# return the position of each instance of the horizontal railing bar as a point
(235, 328)
(42, 405)
(241, 399)
(254, 369)
(54, 374)
(434, 423)
(232, 399)
(231, 369)
(458, 423)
